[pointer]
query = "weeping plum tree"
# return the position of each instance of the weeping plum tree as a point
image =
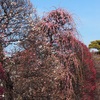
(74, 57)
(56, 65)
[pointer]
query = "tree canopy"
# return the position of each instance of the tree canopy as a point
(95, 45)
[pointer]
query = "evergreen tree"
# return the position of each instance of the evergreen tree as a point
(95, 45)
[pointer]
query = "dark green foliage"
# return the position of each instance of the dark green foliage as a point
(95, 45)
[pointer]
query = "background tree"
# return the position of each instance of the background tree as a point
(95, 45)
(6, 85)
(1, 73)
(15, 20)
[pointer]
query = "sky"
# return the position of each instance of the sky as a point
(86, 14)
